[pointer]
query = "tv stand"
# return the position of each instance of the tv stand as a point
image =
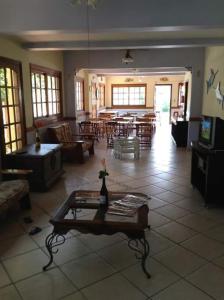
(207, 173)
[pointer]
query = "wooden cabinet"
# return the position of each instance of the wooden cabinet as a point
(179, 130)
(207, 173)
(46, 164)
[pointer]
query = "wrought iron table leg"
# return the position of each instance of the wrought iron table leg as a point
(141, 248)
(52, 240)
(145, 245)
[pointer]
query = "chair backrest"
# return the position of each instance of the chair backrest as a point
(68, 134)
(60, 133)
(56, 134)
(111, 127)
(86, 127)
(144, 129)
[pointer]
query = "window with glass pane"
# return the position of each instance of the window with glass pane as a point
(12, 130)
(102, 94)
(45, 92)
(79, 94)
(129, 95)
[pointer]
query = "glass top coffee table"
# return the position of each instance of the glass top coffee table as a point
(95, 219)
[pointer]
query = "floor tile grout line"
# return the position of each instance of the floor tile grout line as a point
(115, 271)
(185, 277)
(139, 287)
(191, 251)
(11, 281)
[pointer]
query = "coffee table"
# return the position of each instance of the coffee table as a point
(97, 221)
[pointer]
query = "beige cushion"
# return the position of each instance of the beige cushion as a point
(12, 190)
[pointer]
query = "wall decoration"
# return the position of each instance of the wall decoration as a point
(129, 79)
(211, 79)
(219, 95)
(164, 79)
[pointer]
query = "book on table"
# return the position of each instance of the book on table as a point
(126, 206)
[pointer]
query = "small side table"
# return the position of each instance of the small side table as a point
(124, 145)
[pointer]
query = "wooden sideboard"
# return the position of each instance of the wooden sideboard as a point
(46, 164)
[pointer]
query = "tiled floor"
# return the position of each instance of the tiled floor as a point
(186, 239)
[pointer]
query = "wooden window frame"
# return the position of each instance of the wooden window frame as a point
(47, 72)
(16, 66)
(128, 86)
(82, 95)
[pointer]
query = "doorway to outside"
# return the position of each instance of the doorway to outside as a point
(162, 102)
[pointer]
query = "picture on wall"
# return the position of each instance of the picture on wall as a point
(211, 79)
(219, 95)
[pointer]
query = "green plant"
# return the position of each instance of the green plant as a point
(103, 173)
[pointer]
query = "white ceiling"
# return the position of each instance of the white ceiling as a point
(114, 24)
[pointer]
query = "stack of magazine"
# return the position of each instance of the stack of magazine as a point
(126, 206)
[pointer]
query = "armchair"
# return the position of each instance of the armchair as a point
(73, 145)
(13, 189)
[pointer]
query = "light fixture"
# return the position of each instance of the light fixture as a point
(128, 58)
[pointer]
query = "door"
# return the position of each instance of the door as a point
(11, 110)
(162, 101)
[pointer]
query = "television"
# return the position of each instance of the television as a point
(211, 133)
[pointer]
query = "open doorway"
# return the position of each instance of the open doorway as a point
(162, 101)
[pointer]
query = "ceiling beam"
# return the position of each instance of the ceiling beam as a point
(137, 44)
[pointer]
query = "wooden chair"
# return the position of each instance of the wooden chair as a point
(122, 129)
(111, 132)
(144, 133)
(90, 127)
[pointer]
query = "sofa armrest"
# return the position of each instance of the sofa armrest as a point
(80, 142)
(11, 174)
(16, 171)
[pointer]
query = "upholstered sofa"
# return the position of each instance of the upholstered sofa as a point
(12, 191)
(74, 146)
